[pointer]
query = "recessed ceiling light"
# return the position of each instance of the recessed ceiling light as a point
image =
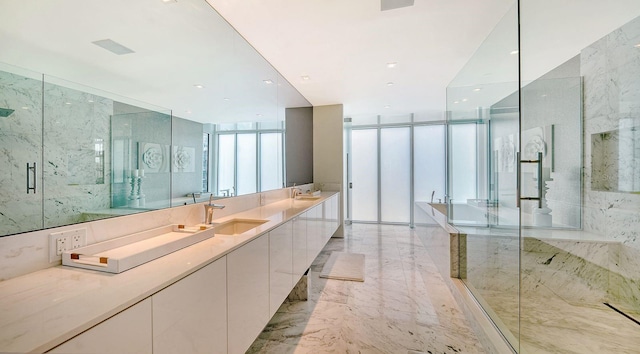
(268, 82)
(456, 102)
(259, 115)
(305, 78)
(226, 98)
(198, 86)
(390, 84)
(187, 111)
(67, 103)
(25, 107)
(90, 101)
(392, 64)
(514, 52)
(544, 95)
(477, 89)
(464, 100)
(387, 106)
(637, 45)
(167, 1)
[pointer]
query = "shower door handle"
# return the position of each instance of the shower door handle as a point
(30, 170)
(538, 162)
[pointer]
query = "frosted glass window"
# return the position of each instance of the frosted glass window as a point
(247, 170)
(364, 149)
(226, 164)
(395, 177)
(271, 164)
(462, 159)
(429, 166)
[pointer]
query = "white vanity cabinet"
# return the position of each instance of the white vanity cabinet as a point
(127, 332)
(247, 293)
(190, 316)
(280, 265)
(314, 233)
(300, 264)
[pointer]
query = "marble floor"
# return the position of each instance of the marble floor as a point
(403, 306)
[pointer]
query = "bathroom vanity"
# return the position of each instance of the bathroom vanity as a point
(214, 296)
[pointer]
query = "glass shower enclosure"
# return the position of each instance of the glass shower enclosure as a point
(543, 162)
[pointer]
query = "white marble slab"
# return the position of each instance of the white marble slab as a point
(46, 307)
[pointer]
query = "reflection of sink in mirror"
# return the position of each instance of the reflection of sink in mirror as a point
(237, 226)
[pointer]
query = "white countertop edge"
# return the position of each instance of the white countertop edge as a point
(46, 308)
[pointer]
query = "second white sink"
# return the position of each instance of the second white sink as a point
(237, 226)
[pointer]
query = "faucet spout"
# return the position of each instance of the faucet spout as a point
(208, 211)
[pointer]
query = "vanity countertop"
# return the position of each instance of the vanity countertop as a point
(45, 308)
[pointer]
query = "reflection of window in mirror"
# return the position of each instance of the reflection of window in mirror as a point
(205, 162)
(249, 158)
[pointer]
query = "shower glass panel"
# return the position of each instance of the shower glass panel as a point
(364, 160)
(580, 102)
(395, 176)
(20, 150)
(483, 143)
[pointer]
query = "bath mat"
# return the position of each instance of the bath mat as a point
(344, 266)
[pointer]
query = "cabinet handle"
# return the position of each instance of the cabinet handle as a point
(31, 169)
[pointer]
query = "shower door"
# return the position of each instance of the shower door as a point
(20, 151)
(482, 166)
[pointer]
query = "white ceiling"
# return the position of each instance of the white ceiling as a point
(344, 46)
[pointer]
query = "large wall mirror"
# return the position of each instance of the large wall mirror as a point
(115, 107)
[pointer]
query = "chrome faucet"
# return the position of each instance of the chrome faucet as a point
(208, 210)
(295, 192)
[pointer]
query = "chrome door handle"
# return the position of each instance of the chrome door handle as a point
(30, 170)
(539, 182)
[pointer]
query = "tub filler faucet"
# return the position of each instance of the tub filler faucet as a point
(208, 210)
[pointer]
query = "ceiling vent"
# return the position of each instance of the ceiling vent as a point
(113, 46)
(394, 4)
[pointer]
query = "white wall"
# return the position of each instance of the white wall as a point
(328, 152)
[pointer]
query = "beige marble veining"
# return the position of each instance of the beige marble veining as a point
(403, 304)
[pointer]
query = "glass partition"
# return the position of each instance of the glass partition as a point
(580, 278)
(483, 145)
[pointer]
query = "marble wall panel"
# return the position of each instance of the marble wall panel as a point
(610, 68)
(76, 124)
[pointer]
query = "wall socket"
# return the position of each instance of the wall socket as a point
(65, 241)
(263, 199)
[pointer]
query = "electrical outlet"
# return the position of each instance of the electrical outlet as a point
(78, 238)
(65, 241)
(263, 199)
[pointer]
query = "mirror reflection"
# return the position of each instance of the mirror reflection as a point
(81, 143)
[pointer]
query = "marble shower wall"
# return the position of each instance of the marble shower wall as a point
(65, 137)
(76, 154)
(611, 67)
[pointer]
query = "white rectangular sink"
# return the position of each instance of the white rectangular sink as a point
(123, 253)
(237, 226)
